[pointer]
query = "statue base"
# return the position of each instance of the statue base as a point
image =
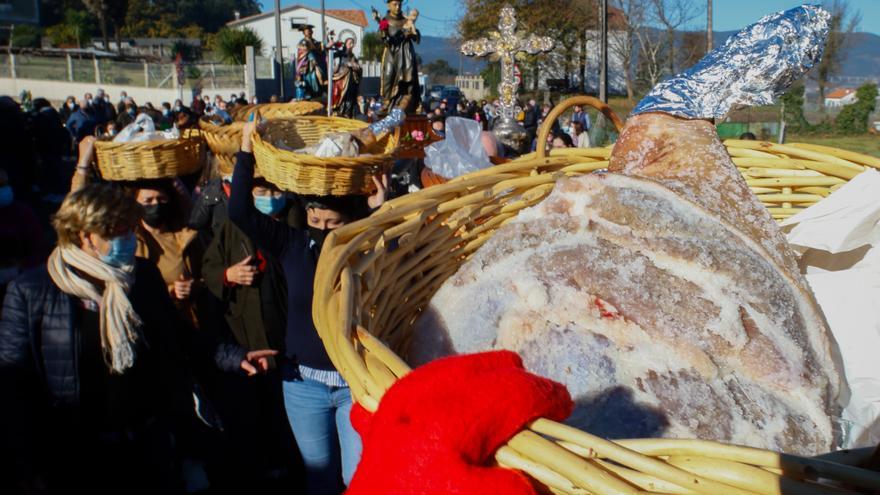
(512, 134)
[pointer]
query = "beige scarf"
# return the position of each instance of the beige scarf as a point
(120, 325)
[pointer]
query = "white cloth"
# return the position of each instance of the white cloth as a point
(120, 325)
(839, 239)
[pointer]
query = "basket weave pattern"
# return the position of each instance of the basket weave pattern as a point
(375, 276)
(150, 159)
(306, 174)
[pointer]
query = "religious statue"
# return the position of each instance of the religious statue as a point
(346, 80)
(311, 68)
(400, 68)
(506, 43)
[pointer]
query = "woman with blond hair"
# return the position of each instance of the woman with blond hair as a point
(96, 330)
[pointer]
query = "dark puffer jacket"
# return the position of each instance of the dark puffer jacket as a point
(39, 332)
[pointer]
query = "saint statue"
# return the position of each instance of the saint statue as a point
(400, 68)
(311, 68)
(346, 80)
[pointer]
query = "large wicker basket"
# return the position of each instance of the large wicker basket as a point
(151, 159)
(224, 141)
(375, 276)
(278, 110)
(306, 174)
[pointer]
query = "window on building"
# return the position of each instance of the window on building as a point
(296, 21)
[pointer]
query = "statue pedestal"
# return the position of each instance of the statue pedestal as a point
(512, 134)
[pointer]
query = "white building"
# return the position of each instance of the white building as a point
(840, 97)
(345, 23)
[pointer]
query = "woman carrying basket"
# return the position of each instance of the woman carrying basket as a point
(317, 398)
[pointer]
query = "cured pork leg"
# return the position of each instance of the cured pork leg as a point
(662, 294)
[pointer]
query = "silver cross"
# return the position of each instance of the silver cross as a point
(506, 43)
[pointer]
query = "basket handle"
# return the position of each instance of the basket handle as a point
(565, 105)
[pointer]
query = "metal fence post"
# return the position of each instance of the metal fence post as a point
(97, 71)
(250, 68)
(69, 68)
(146, 74)
(12, 65)
(214, 74)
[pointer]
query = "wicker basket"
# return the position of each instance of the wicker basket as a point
(224, 142)
(307, 174)
(278, 110)
(368, 296)
(151, 159)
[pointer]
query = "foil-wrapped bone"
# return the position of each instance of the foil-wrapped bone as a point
(751, 68)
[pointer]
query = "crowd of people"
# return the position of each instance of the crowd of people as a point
(156, 336)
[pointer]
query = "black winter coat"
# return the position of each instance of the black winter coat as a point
(39, 332)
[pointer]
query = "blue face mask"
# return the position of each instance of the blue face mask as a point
(5, 196)
(122, 250)
(269, 205)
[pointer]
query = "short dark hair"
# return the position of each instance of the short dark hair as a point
(748, 136)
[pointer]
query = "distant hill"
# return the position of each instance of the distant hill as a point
(434, 48)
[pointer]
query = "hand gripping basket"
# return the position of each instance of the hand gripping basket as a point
(151, 159)
(367, 298)
(306, 174)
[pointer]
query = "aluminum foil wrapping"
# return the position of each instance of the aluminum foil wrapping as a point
(394, 119)
(751, 68)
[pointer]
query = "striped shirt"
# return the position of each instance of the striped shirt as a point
(327, 377)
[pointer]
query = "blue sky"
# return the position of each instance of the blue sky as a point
(438, 16)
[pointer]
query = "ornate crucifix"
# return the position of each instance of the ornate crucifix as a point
(506, 43)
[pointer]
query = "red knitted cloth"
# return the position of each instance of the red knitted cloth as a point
(437, 428)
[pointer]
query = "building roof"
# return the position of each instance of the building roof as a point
(840, 93)
(354, 16)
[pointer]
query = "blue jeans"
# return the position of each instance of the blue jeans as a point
(319, 418)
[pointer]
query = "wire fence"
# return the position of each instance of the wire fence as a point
(140, 74)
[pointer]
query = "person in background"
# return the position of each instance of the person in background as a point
(21, 238)
(197, 106)
(120, 106)
(250, 285)
(530, 122)
(562, 140)
(111, 131)
(110, 373)
(579, 115)
(748, 136)
(438, 125)
(273, 99)
(52, 148)
(81, 124)
(579, 136)
(128, 116)
(317, 399)
(67, 109)
(167, 115)
(209, 211)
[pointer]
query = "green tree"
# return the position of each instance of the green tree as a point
(492, 77)
(25, 35)
(853, 119)
(230, 44)
(75, 30)
(439, 67)
(372, 46)
(843, 23)
(793, 101)
(100, 9)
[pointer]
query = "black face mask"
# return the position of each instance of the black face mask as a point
(154, 215)
(318, 235)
